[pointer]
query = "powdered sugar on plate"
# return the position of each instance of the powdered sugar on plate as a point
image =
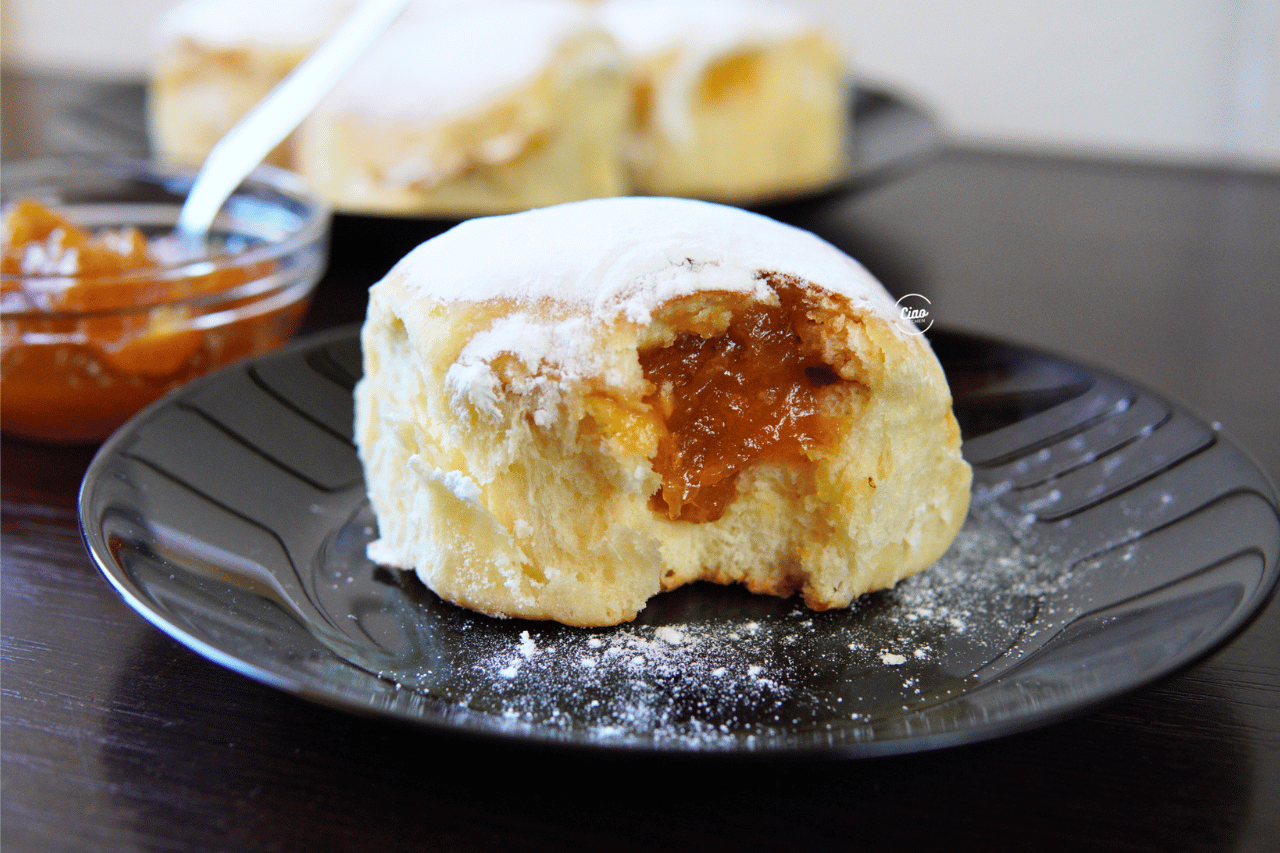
(708, 663)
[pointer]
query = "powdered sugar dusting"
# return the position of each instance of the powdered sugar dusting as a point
(574, 274)
(284, 24)
(452, 59)
(621, 258)
(709, 664)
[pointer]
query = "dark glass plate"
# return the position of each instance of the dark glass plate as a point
(1113, 538)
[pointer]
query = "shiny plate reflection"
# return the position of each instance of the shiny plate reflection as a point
(1113, 538)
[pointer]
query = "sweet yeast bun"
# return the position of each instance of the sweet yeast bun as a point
(734, 100)
(569, 410)
(215, 59)
(466, 108)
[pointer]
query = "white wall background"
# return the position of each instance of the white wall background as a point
(1178, 80)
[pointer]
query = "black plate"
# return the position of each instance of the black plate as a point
(1113, 538)
(889, 135)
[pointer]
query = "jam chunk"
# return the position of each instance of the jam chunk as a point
(41, 241)
(96, 326)
(752, 394)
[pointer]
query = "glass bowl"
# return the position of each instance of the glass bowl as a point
(81, 353)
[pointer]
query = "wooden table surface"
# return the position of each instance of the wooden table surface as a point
(117, 738)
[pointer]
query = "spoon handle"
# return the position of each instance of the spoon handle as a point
(284, 107)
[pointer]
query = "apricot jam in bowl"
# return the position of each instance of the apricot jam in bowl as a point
(104, 310)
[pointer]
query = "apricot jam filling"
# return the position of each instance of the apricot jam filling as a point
(752, 394)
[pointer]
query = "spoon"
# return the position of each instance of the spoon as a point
(244, 146)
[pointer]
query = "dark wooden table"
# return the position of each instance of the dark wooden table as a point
(117, 738)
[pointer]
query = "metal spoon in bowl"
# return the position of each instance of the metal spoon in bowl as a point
(268, 123)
